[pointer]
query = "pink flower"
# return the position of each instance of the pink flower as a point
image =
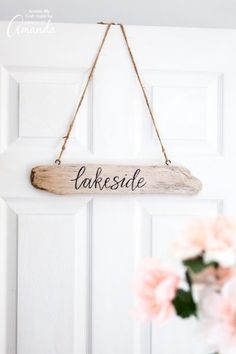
(155, 287)
(192, 241)
(219, 311)
(213, 276)
(221, 242)
(214, 239)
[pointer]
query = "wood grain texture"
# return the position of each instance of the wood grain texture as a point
(111, 179)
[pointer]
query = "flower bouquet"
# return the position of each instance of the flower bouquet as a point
(204, 287)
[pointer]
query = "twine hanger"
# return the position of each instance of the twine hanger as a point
(108, 27)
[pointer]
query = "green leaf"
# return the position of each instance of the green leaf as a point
(197, 264)
(184, 304)
(188, 279)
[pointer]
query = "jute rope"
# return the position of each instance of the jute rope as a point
(58, 160)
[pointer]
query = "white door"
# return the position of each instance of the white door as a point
(67, 263)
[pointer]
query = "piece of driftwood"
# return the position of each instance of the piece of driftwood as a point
(112, 179)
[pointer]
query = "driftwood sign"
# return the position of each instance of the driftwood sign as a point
(112, 179)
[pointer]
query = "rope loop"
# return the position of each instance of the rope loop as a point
(122, 28)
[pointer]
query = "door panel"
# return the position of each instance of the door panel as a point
(67, 263)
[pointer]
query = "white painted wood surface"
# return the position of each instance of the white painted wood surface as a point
(67, 263)
(111, 179)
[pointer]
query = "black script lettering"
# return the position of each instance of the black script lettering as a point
(107, 180)
(79, 174)
(98, 179)
(122, 181)
(112, 183)
(131, 181)
(140, 181)
(87, 183)
(116, 184)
